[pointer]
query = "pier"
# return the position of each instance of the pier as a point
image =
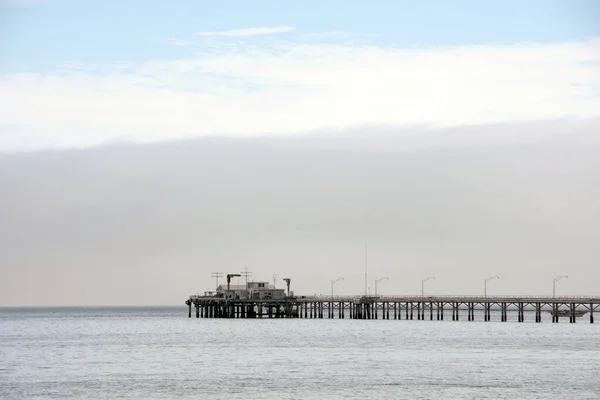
(439, 308)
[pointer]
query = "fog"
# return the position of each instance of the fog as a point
(131, 224)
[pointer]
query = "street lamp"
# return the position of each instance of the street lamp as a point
(332, 282)
(423, 284)
(485, 284)
(558, 278)
(377, 281)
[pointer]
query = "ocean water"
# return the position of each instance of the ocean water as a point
(158, 353)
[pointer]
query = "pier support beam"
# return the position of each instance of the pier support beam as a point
(521, 317)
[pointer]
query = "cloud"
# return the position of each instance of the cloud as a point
(79, 66)
(338, 34)
(179, 42)
(249, 31)
(236, 88)
(130, 224)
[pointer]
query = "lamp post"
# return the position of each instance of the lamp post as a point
(485, 284)
(332, 283)
(558, 278)
(377, 281)
(423, 284)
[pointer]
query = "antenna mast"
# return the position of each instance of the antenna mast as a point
(366, 248)
(246, 274)
(217, 275)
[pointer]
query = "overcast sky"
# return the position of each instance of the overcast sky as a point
(147, 224)
(139, 152)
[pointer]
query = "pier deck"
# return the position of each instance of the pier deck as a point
(399, 307)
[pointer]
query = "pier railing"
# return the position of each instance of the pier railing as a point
(441, 298)
(452, 298)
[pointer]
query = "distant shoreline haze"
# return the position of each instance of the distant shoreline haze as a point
(147, 224)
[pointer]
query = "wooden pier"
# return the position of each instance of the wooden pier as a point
(437, 308)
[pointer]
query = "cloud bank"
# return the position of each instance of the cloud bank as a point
(232, 87)
(147, 224)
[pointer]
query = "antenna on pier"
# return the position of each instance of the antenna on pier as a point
(246, 274)
(217, 275)
(366, 248)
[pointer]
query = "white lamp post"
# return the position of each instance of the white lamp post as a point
(423, 284)
(332, 283)
(558, 278)
(377, 281)
(485, 284)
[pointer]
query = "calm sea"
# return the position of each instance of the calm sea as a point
(158, 353)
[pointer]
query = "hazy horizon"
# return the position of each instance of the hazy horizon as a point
(146, 224)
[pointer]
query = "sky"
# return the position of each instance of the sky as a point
(81, 73)
(146, 144)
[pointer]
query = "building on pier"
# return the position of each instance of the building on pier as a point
(251, 290)
(234, 291)
(264, 291)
